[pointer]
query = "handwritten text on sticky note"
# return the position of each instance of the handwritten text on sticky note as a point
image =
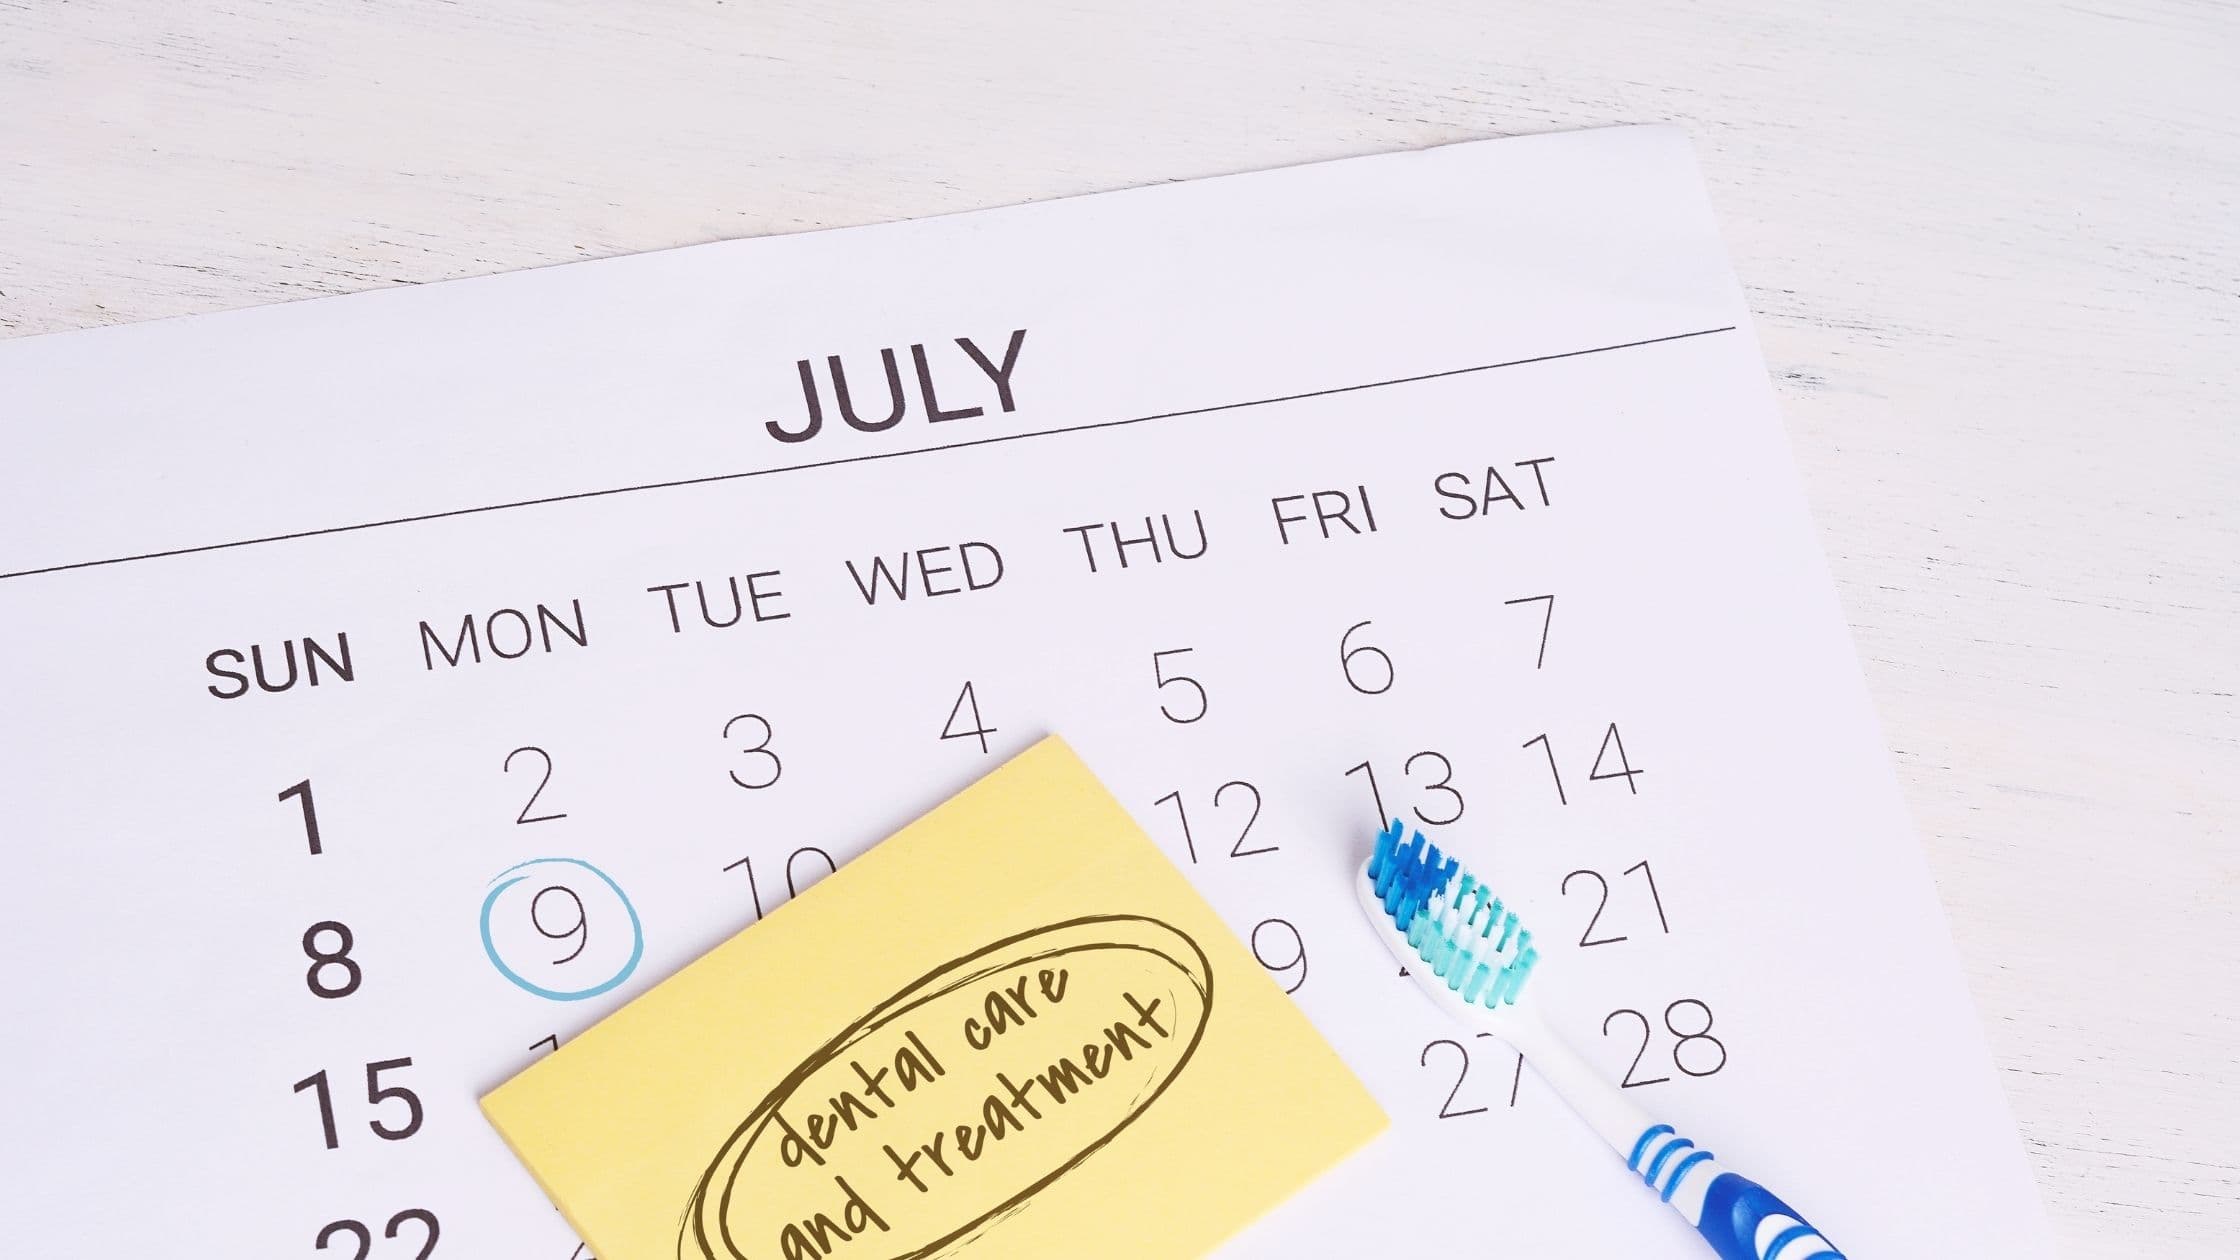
(995, 1033)
(1022, 1058)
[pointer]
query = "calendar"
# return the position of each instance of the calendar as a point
(396, 684)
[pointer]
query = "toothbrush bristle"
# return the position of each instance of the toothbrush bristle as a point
(1454, 923)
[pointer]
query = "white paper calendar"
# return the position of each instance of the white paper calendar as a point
(395, 684)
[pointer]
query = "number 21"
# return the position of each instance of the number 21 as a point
(1602, 902)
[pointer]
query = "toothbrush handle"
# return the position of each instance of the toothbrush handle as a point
(1741, 1219)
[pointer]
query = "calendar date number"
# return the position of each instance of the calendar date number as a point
(1691, 1051)
(561, 928)
(1430, 775)
(1601, 887)
(1612, 752)
(333, 973)
(800, 871)
(376, 1094)
(1242, 802)
(1456, 1105)
(419, 1219)
(1289, 949)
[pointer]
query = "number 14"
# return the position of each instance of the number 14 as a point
(1611, 741)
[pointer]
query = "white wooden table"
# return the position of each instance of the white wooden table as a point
(1994, 248)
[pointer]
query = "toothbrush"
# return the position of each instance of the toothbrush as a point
(1469, 953)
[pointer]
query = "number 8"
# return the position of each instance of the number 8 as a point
(1701, 1034)
(323, 959)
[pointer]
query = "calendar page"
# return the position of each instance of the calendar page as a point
(395, 684)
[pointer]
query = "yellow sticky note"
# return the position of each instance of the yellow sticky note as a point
(1011, 1030)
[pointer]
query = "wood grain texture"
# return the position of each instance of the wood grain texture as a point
(1994, 247)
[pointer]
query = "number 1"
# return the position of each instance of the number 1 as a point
(1365, 768)
(1647, 874)
(317, 1081)
(1550, 749)
(302, 793)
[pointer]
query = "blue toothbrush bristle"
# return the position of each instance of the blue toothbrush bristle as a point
(1457, 927)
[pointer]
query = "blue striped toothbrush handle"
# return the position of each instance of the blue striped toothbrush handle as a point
(1741, 1219)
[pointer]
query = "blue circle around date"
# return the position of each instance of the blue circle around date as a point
(510, 876)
